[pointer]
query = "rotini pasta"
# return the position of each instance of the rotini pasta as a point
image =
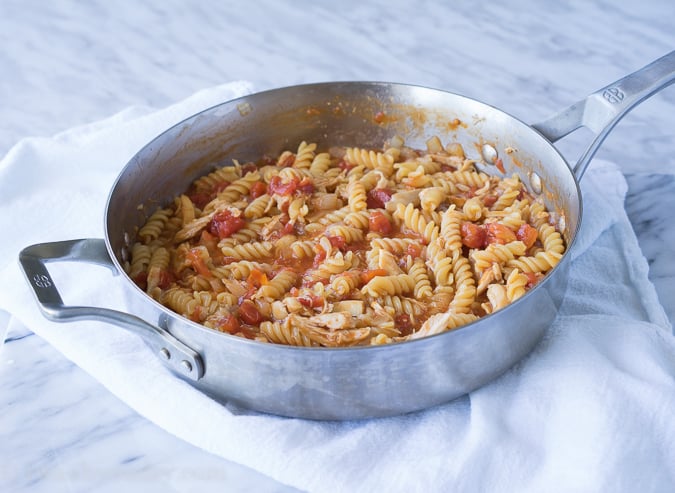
(346, 246)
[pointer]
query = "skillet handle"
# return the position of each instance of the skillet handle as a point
(603, 109)
(33, 260)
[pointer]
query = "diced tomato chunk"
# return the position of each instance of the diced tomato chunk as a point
(345, 166)
(378, 222)
(220, 187)
(308, 282)
(211, 243)
(229, 323)
(527, 234)
(319, 257)
(224, 224)
(200, 199)
(489, 200)
(473, 235)
(378, 197)
(248, 168)
(196, 315)
(337, 241)
(414, 250)
(166, 278)
(257, 189)
(532, 279)
(288, 229)
(498, 233)
(368, 275)
(305, 186)
(268, 161)
(403, 323)
(277, 186)
(287, 160)
(249, 314)
(311, 300)
(257, 278)
(195, 259)
(141, 280)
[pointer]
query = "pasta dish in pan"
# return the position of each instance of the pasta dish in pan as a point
(346, 246)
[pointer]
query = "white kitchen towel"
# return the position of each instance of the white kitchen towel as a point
(591, 409)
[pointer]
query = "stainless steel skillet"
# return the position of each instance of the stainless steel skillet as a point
(343, 383)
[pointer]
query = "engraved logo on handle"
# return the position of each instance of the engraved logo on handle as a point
(613, 95)
(42, 281)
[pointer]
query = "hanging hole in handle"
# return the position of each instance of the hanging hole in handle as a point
(536, 184)
(490, 154)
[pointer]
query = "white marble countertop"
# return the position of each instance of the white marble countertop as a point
(68, 63)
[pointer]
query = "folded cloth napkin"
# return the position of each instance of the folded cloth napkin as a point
(591, 409)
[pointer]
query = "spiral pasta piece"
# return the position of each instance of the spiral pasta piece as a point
(279, 284)
(216, 178)
(238, 270)
(506, 199)
(303, 249)
(418, 271)
(442, 267)
(290, 174)
(541, 262)
(515, 285)
(551, 239)
(442, 322)
(389, 285)
(357, 219)
(140, 259)
(305, 155)
(356, 196)
(234, 191)
(370, 159)
(512, 220)
(403, 305)
(258, 207)
(284, 333)
(468, 178)
(297, 209)
(186, 209)
(334, 217)
(350, 235)
(451, 223)
(332, 265)
(158, 264)
(414, 220)
(320, 164)
(497, 253)
(440, 180)
(465, 285)
(472, 209)
(245, 235)
(195, 306)
(345, 283)
(154, 225)
(538, 214)
(249, 251)
(394, 245)
(431, 198)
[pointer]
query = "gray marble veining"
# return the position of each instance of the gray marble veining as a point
(66, 63)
